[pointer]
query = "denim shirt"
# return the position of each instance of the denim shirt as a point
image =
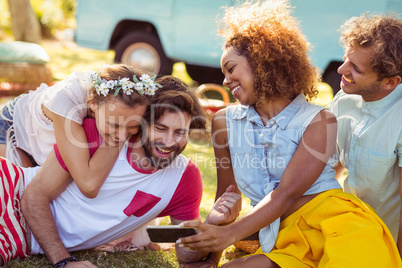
(260, 154)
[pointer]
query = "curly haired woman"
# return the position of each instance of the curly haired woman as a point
(279, 150)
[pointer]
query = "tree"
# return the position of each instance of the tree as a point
(24, 23)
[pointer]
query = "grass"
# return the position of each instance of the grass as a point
(66, 57)
(101, 259)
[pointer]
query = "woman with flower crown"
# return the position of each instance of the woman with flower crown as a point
(31, 124)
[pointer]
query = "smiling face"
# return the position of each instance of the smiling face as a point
(167, 138)
(239, 77)
(358, 76)
(115, 121)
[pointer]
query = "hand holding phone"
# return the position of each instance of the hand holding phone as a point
(168, 233)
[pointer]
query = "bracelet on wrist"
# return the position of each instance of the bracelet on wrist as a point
(63, 262)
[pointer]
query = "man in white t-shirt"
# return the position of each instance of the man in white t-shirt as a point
(150, 179)
(368, 110)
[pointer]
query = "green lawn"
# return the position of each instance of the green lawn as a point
(66, 58)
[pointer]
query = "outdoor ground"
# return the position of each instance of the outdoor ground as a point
(67, 57)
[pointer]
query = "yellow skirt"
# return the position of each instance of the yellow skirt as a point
(335, 229)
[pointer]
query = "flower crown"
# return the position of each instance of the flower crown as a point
(146, 85)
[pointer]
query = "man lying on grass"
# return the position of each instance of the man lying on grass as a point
(150, 179)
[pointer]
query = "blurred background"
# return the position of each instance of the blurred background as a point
(163, 36)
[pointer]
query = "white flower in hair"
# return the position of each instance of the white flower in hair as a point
(102, 89)
(146, 78)
(150, 89)
(111, 84)
(139, 87)
(126, 85)
(90, 77)
(147, 85)
(124, 82)
(128, 91)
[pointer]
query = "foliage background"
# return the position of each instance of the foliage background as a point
(53, 15)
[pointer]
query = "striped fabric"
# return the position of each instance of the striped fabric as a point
(13, 242)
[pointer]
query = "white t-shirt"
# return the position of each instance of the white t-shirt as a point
(34, 133)
(128, 199)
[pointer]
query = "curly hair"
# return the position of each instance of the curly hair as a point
(269, 37)
(381, 32)
(174, 96)
(115, 72)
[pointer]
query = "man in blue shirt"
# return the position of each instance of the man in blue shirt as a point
(369, 113)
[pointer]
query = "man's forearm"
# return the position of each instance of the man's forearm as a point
(37, 212)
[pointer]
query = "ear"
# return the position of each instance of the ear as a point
(392, 83)
(93, 105)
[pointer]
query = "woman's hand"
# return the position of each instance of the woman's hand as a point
(226, 209)
(210, 238)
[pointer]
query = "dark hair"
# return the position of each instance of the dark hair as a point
(381, 32)
(174, 96)
(116, 72)
(269, 37)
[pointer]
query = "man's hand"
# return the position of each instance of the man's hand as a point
(226, 209)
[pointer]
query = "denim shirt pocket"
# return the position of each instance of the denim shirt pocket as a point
(248, 168)
(279, 157)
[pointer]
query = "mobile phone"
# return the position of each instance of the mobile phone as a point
(169, 233)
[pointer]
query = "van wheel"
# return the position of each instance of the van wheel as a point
(331, 76)
(143, 50)
(204, 75)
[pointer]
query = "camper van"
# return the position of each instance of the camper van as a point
(155, 34)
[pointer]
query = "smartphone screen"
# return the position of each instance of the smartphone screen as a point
(168, 233)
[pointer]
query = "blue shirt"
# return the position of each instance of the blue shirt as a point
(260, 154)
(370, 146)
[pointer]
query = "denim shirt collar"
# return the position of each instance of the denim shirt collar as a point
(282, 119)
